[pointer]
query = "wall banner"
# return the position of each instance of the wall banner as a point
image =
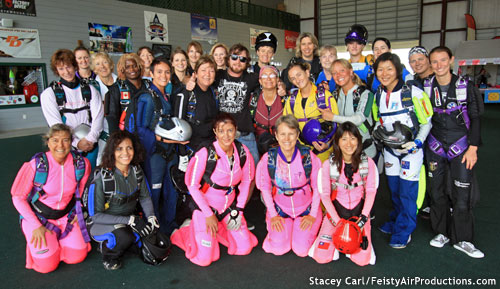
(156, 27)
(19, 43)
(203, 28)
(19, 7)
(112, 39)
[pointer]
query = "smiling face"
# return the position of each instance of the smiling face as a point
(299, 77)
(59, 145)
(205, 76)
(307, 48)
(268, 79)
(419, 63)
(387, 74)
(355, 48)
(146, 57)
(124, 153)
(237, 66)
(193, 55)
(66, 71)
(441, 63)
(327, 59)
(161, 75)
(220, 56)
(83, 59)
(348, 144)
(265, 54)
(379, 48)
(287, 137)
(132, 71)
(225, 134)
(102, 67)
(342, 75)
(179, 62)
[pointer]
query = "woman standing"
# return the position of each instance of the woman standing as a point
(354, 101)
(84, 73)
(405, 114)
(287, 177)
(348, 184)
(194, 52)
(103, 67)
(146, 55)
(268, 108)
(212, 177)
(304, 104)
(327, 55)
(52, 182)
(219, 52)
(180, 76)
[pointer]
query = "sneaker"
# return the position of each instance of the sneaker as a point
(439, 241)
(402, 245)
(469, 249)
(250, 226)
(112, 264)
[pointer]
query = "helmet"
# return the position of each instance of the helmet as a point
(347, 237)
(177, 177)
(357, 32)
(266, 39)
(314, 130)
(174, 129)
(396, 138)
(81, 131)
(155, 248)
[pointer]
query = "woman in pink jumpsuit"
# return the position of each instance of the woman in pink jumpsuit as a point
(219, 213)
(355, 186)
(293, 214)
(44, 250)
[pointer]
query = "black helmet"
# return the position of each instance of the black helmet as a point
(155, 248)
(266, 141)
(357, 32)
(266, 39)
(396, 138)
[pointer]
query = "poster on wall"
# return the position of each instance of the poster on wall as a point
(19, 43)
(19, 7)
(253, 35)
(156, 27)
(112, 39)
(291, 39)
(203, 28)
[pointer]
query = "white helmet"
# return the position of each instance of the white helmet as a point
(81, 131)
(173, 129)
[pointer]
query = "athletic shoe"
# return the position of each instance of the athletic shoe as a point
(469, 249)
(439, 241)
(400, 246)
(425, 213)
(112, 264)
(250, 226)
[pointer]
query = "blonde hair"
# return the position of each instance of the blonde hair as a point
(329, 48)
(103, 55)
(347, 65)
(58, 127)
(314, 40)
(217, 45)
(120, 66)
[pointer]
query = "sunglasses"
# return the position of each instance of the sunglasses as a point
(266, 76)
(242, 59)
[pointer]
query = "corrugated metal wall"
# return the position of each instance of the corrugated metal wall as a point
(396, 20)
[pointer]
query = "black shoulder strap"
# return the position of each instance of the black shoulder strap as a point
(60, 95)
(241, 153)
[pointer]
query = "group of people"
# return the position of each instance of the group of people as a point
(203, 131)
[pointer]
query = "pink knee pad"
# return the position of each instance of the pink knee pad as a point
(302, 240)
(207, 247)
(73, 248)
(323, 249)
(362, 258)
(44, 259)
(242, 241)
(278, 243)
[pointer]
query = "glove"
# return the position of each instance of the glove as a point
(139, 226)
(183, 163)
(153, 223)
(234, 220)
(412, 146)
(362, 221)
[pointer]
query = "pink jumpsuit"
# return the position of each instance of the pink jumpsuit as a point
(323, 250)
(59, 190)
(201, 247)
(306, 198)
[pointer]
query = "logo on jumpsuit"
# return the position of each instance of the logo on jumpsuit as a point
(388, 165)
(433, 166)
(451, 105)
